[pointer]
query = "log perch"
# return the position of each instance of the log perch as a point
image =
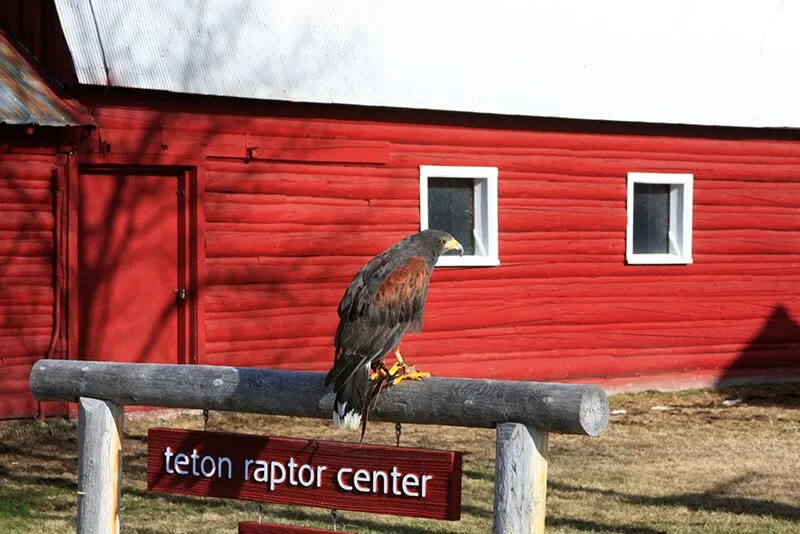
(560, 408)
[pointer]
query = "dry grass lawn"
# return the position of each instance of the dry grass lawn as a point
(699, 466)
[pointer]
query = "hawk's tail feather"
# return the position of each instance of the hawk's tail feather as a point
(369, 403)
(344, 368)
(351, 397)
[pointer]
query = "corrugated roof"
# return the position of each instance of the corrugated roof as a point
(25, 96)
(714, 62)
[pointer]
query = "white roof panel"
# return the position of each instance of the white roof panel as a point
(714, 62)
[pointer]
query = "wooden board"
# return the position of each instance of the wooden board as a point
(251, 527)
(325, 474)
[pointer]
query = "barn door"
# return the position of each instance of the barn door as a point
(132, 280)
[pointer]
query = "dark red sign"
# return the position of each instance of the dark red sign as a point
(251, 527)
(324, 474)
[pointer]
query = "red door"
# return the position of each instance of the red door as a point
(130, 259)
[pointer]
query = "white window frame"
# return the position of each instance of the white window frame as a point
(680, 219)
(485, 232)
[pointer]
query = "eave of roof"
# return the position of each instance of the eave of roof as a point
(26, 97)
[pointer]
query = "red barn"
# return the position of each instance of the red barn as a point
(237, 164)
(38, 127)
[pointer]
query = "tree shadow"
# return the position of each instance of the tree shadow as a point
(713, 500)
(596, 526)
(116, 232)
(772, 356)
(255, 288)
(262, 305)
(347, 522)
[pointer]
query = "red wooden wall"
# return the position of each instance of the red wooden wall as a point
(26, 270)
(288, 223)
(282, 228)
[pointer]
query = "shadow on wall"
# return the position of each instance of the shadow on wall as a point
(127, 217)
(774, 354)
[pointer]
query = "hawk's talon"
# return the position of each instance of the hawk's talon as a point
(410, 376)
(403, 371)
(380, 374)
(395, 368)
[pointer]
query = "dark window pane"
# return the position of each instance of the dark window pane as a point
(451, 207)
(651, 218)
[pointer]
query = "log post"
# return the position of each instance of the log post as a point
(99, 465)
(520, 484)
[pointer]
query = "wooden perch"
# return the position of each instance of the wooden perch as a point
(560, 408)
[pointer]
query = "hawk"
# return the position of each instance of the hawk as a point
(385, 299)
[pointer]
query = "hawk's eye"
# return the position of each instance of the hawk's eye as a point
(444, 240)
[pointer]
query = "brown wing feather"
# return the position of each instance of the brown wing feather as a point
(405, 283)
(401, 297)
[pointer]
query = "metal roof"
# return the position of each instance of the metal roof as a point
(714, 62)
(25, 96)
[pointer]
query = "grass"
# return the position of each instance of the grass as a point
(699, 466)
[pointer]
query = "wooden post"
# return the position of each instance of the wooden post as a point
(520, 484)
(99, 465)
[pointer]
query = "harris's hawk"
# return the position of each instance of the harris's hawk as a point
(385, 299)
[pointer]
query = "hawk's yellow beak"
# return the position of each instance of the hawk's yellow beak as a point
(452, 244)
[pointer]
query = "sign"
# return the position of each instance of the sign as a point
(325, 474)
(251, 527)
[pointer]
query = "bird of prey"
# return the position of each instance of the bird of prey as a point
(385, 299)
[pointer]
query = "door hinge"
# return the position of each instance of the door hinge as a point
(180, 293)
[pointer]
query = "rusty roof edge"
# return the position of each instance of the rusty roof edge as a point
(29, 95)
